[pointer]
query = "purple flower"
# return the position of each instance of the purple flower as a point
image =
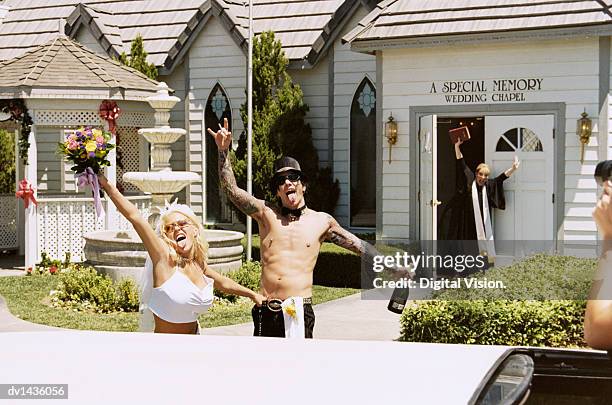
(91, 154)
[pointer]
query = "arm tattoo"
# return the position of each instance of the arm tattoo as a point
(343, 238)
(241, 199)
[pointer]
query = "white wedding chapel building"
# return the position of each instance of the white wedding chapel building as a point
(520, 76)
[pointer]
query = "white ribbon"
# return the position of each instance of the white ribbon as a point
(294, 321)
(484, 232)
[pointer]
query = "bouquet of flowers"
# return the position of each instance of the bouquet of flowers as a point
(88, 149)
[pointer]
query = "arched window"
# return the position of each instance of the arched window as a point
(516, 139)
(217, 108)
(363, 156)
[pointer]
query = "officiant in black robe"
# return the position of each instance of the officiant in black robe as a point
(458, 221)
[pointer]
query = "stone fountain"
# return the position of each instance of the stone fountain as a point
(121, 253)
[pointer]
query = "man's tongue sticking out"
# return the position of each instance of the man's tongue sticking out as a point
(292, 197)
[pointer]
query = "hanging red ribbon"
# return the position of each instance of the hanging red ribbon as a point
(26, 192)
(109, 111)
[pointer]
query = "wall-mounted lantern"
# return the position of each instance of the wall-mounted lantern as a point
(391, 133)
(584, 130)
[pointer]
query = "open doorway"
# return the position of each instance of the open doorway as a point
(495, 140)
(473, 154)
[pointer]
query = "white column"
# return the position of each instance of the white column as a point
(111, 175)
(31, 218)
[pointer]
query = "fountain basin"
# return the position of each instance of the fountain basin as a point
(121, 254)
(162, 135)
(161, 182)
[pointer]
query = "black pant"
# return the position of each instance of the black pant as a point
(272, 324)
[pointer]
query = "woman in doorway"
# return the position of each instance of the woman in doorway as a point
(179, 285)
(467, 216)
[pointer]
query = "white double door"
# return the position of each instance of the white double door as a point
(529, 191)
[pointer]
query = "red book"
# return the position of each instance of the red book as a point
(462, 133)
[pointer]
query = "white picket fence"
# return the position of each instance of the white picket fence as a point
(62, 222)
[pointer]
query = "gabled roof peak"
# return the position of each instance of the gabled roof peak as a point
(64, 63)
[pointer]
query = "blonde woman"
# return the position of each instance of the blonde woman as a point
(178, 284)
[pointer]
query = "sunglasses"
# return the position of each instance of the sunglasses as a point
(280, 179)
(182, 224)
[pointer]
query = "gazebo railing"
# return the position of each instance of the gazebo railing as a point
(62, 221)
(9, 235)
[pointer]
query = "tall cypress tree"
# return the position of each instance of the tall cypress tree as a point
(138, 58)
(279, 129)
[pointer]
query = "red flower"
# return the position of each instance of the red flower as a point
(53, 269)
(29, 271)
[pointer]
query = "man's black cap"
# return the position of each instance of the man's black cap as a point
(285, 164)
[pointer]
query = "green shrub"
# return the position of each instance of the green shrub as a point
(543, 305)
(337, 267)
(48, 266)
(522, 323)
(540, 277)
(248, 275)
(83, 289)
(127, 295)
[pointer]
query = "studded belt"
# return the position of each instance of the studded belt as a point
(276, 304)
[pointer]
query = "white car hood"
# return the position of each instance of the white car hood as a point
(101, 367)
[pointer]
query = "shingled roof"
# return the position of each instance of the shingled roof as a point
(415, 22)
(303, 27)
(62, 66)
(168, 27)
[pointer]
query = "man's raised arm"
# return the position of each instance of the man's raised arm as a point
(241, 199)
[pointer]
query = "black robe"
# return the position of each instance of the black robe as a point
(457, 219)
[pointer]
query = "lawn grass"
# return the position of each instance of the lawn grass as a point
(26, 297)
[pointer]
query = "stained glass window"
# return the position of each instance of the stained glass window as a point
(217, 108)
(363, 156)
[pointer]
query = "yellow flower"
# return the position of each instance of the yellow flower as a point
(90, 146)
(291, 310)
(97, 132)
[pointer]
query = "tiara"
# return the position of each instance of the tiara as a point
(169, 208)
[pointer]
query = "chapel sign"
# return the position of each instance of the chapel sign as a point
(484, 91)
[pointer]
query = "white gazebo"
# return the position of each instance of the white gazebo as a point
(61, 86)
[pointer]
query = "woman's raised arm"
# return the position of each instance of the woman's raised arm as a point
(155, 246)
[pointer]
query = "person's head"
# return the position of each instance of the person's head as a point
(482, 174)
(288, 182)
(183, 232)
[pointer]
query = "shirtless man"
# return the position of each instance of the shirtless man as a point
(291, 237)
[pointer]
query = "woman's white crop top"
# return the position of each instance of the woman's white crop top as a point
(179, 300)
